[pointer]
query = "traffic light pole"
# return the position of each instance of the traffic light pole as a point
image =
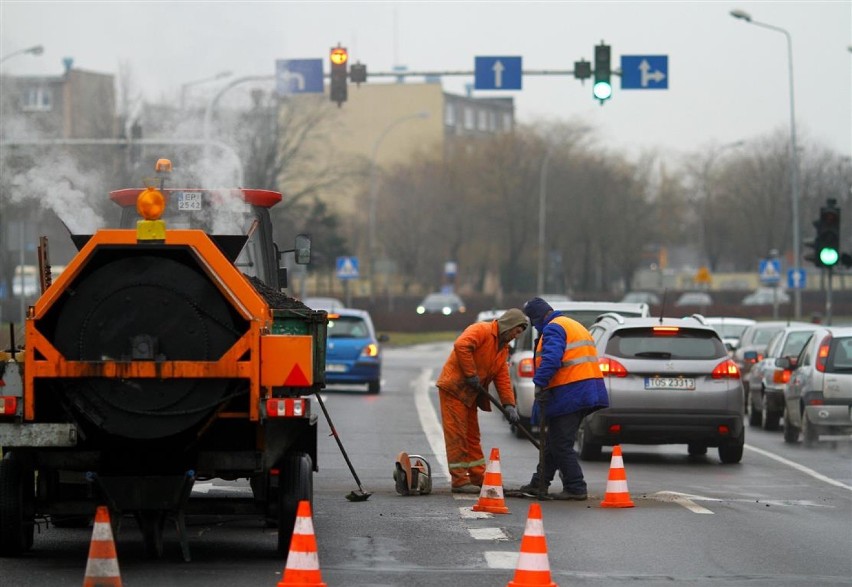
(828, 297)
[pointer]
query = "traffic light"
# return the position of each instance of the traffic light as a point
(828, 234)
(339, 73)
(358, 73)
(582, 70)
(602, 89)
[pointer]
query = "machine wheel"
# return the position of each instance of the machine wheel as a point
(295, 485)
(696, 450)
(374, 387)
(810, 433)
(588, 450)
(791, 433)
(755, 416)
(17, 506)
(770, 419)
(732, 453)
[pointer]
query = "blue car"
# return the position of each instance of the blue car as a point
(353, 354)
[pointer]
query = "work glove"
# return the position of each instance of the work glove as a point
(473, 380)
(541, 395)
(512, 414)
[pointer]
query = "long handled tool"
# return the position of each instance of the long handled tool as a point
(359, 495)
(500, 407)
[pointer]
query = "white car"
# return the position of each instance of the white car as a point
(729, 328)
(521, 366)
(818, 397)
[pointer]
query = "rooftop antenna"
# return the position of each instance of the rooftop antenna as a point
(663, 305)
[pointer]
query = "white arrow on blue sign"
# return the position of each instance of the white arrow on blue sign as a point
(347, 267)
(796, 278)
(644, 72)
(497, 73)
(770, 271)
(298, 76)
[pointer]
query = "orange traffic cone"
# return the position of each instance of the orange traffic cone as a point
(302, 566)
(102, 566)
(533, 568)
(616, 495)
(491, 495)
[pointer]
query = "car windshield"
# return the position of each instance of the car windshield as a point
(347, 327)
(764, 335)
(795, 343)
(588, 317)
(840, 359)
(643, 343)
(730, 330)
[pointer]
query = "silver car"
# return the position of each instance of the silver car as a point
(766, 380)
(521, 365)
(818, 396)
(669, 381)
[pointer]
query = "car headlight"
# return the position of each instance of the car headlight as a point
(421, 309)
(446, 310)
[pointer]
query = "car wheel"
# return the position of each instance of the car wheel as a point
(589, 451)
(810, 433)
(17, 505)
(295, 485)
(755, 416)
(770, 418)
(732, 453)
(696, 450)
(791, 433)
(374, 387)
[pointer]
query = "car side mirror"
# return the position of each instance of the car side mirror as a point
(786, 363)
(303, 249)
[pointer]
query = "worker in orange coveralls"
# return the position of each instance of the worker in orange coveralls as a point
(479, 357)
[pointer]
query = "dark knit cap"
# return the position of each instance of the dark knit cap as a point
(536, 309)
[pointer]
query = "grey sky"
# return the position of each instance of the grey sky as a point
(728, 80)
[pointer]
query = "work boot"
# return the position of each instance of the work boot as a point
(568, 496)
(469, 488)
(532, 490)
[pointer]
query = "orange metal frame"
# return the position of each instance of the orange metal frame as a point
(44, 361)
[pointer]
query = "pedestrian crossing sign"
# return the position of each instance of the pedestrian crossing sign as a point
(347, 267)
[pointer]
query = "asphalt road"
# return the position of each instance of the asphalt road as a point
(783, 517)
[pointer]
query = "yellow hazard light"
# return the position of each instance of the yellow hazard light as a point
(163, 166)
(339, 56)
(150, 204)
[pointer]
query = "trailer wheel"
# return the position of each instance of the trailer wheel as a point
(295, 485)
(17, 506)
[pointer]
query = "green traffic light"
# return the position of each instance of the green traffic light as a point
(829, 256)
(602, 90)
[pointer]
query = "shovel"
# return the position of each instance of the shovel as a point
(500, 407)
(359, 495)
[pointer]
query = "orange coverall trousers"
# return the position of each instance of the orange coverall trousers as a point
(461, 435)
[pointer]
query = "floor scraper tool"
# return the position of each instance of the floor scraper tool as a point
(413, 479)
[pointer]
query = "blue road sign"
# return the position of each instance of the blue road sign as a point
(298, 76)
(347, 267)
(796, 278)
(497, 73)
(770, 271)
(644, 72)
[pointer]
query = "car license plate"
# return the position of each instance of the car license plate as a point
(669, 383)
(335, 368)
(189, 201)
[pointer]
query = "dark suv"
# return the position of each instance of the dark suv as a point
(670, 381)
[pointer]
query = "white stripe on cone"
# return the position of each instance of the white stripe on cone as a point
(101, 531)
(535, 527)
(533, 562)
(303, 526)
(102, 567)
(303, 561)
(616, 486)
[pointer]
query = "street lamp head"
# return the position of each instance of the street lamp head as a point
(222, 74)
(37, 50)
(742, 14)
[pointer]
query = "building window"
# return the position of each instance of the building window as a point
(482, 120)
(450, 114)
(492, 121)
(507, 122)
(468, 118)
(37, 99)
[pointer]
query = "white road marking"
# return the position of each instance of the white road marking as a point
(798, 467)
(468, 514)
(430, 423)
(498, 559)
(488, 533)
(681, 499)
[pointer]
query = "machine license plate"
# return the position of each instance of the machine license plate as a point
(189, 201)
(669, 383)
(335, 368)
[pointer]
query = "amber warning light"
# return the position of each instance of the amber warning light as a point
(339, 56)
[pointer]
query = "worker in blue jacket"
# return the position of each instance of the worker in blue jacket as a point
(568, 386)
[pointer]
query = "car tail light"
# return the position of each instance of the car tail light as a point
(615, 429)
(611, 367)
(526, 368)
(287, 407)
(8, 405)
(723, 430)
(371, 350)
(726, 370)
(665, 330)
(822, 354)
(781, 376)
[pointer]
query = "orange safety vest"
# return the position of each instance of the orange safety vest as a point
(580, 360)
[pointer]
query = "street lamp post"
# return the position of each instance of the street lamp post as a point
(371, 232)
(542, 195)
(34, 50)
(183, 87)
(211, 104)
(794, 161)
